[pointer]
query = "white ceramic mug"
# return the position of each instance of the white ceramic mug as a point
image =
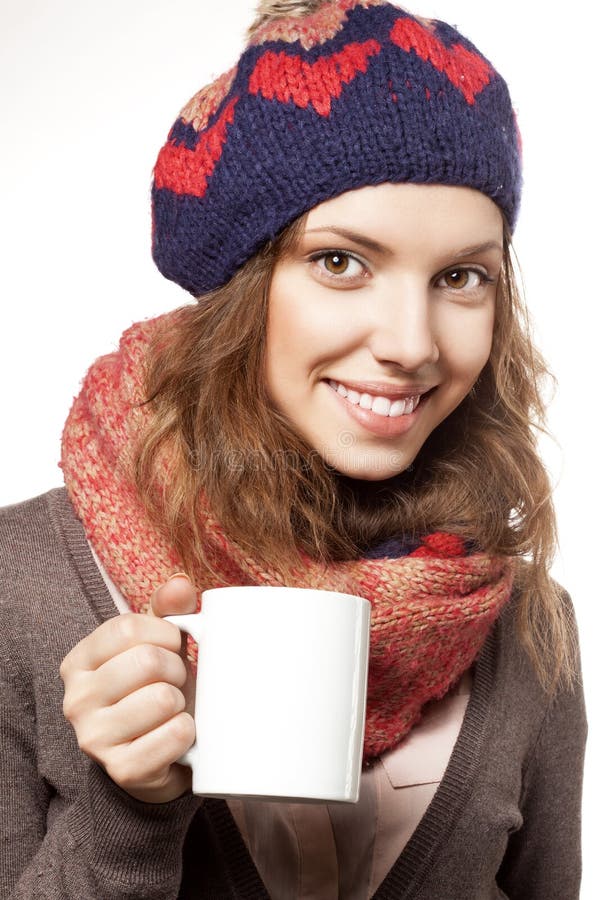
(280, 693)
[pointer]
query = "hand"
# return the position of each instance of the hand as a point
(125, 696)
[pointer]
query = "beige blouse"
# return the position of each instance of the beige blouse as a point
(318, 851)
(343, 851)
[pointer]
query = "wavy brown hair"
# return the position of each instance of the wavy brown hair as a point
(479, 474)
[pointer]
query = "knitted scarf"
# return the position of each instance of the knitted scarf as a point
(431, 608)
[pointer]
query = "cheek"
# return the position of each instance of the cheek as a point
(294, 333)
(467, 342)
(303, 328)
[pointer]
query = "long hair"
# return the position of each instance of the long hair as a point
(479, 474)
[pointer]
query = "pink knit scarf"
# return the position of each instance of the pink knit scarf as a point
(431, 610)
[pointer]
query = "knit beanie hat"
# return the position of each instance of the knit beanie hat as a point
(328, 96)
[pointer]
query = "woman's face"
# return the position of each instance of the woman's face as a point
(381, 320)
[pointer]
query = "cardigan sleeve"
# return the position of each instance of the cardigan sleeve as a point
(66, 829)
(103, 845)
(543, 858)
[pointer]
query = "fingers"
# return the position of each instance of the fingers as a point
(134, 695)
(141, 665)
(128, 696)
(134, 715)
(117, 635)
(177, 596)
(144, 767)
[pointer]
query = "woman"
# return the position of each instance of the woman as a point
(349, 405)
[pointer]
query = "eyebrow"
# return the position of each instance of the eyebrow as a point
(479, 248)
(355, 237)
(376, 247)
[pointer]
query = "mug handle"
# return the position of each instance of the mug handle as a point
(192, 624)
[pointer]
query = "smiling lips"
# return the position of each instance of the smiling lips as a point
(383, 401)
(385, 416)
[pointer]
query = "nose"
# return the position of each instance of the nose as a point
(402, 328)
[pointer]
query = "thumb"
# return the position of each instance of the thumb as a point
(178, 596)
(175, 597)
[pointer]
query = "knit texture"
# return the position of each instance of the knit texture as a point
(512, 788)
(431, 609)
(357, 93)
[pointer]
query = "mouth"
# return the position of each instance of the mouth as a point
(384, 416)
(382, 400)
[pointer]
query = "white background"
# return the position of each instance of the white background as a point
(88, 93)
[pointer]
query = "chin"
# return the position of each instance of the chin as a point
(376, 471)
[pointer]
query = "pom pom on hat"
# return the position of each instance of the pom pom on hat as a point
(276, 8)
(267, 10)
(328, 96)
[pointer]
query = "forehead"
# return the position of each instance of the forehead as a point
(403, 212)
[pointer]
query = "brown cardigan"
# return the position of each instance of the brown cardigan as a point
(505, 821)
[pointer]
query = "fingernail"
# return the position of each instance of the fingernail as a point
(179, 575)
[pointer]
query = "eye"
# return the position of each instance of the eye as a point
(460, 279)
(338, 264)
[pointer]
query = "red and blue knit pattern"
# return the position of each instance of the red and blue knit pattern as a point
(357, 94)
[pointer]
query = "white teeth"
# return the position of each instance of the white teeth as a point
(397, 408)
(381, 405)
